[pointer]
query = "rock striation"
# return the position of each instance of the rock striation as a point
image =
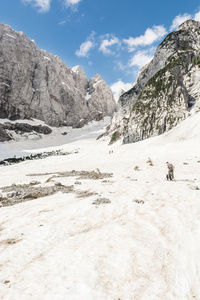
(166, 91)
(36, 84)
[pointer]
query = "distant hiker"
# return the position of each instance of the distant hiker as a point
(170, 174)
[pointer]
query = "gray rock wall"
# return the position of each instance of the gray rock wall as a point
(34, 83)
(166, 90)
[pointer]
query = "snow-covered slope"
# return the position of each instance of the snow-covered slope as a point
(133, 235)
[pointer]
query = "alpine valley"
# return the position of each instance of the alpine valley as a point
(86, 211)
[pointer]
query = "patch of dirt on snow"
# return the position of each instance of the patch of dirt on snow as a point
(25, 192)
(10, 241)
(101, 201)
(17, 193)
(84, 194)
(79, 174)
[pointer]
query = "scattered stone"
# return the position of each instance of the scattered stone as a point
(4, 136)
(101, 201)
(194, 187)
(26, 192)
(14, 160)
(81, 174)
(58, 184)
(84, 194)
(139, 201)
(17, 193)
(10, 241)
(34, 182)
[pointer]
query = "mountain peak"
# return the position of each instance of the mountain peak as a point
(189, 24)
(166, 91)
(41, 86)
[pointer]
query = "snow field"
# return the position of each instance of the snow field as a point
(144, 245)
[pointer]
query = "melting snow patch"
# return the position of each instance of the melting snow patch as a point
(10, 36)
(63, 83)
(45, 57)
(88, 96)
(97, 82)
(3, 83)
(76, 69)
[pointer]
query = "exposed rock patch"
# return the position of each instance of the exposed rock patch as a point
(7, 128)
(79, 174)
(14, 160)
(15, 194)
(26, 192)
(101, 201)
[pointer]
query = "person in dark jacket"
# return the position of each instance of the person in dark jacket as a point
(170, 168)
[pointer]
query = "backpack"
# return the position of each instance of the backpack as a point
(170, 166)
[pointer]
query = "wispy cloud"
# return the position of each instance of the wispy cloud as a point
(197, 16)
(86, 46)
(141, 58)
(73, 4)
(107, 43)
(62, 22)
(120, 87)
(42, 5)
(151, 35)
(178, 20)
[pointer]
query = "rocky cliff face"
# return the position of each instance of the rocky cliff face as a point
(36, 84)
(167, 89)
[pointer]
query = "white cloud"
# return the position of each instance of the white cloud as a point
(86, 46)
(197, 16)
(42, 5)
(178, 20)
(141, 58)
(106, 43)
(120, 87)
(151, 35)
(72, 3)
(62, 22)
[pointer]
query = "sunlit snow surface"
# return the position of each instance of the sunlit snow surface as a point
(144, 245)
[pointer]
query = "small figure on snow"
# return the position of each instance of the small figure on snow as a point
(170, 174)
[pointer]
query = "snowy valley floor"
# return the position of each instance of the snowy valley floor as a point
(129, 236)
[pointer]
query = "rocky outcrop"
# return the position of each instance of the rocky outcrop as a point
(36, 84)
(166, 90)
(7, 128)
(4, 136)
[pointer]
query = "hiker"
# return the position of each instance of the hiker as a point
(170, 174)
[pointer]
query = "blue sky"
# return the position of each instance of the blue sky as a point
(113, 38)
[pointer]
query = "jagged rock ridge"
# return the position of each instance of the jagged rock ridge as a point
(166, 89)
(36, 84)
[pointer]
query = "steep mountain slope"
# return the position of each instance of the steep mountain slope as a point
(36, 84)
(166, 89)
